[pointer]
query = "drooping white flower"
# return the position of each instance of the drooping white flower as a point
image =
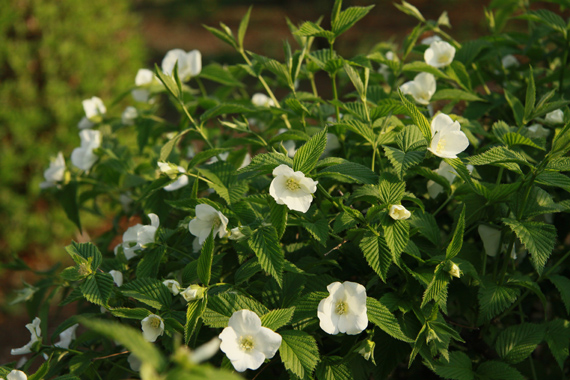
(537, 131)
(189, 64)
(173, 286)
(193, 292)
(134, 362)
(129, 115)
(429, 40)
(66, 337)
(246, 343)
(117, 277)
(16, 374)
(454, 270)
(180, 182)
(236, 234)
(399, 212)
(83, 156)
(292, 188)
(421, 88)
(94, 109)
(555, 117)
(143, 80)
(509, 61)
(137, 237)
(447, 139)
(152, 327)
(491, 239)
(206, 218)
(344, 310)
(35, 335)
(55, 172)
(439, 54)
(261, 100)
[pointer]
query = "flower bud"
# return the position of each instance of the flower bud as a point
(193, 292)
(367, 350)
(399, 212)
(454, 270)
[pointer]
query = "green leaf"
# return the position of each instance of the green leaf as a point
(456, 94)
(222, 306)
(169, 146)
(391, 189)
(319, 230)
(299, 352)
(97, 288)
(498, 154)
(530, 96)
(266, 162)
(558, 338)
(516, 106)
(347, 18)
(539, 238)
(457, 241)
(354, 77)
(333, 368)
(168, 80)
(243, 26)
(85, 252)
(226, 108)
(67, 197)
(136, 313)
(385, 320)
(410, 10)
(310, 29)
(150, 262)
(562, 283)
(396, 233)
(403, 161)
(495, 370)
(205, 260)
(494, 299)
(352, 171)
(278, 218)
(265, 243)
(458, 368)
(437, 287)
(218, 73)
(194, 311)
(247, 270)
(410, 138)
(129, 337)
(426, 225)
(307, 156)
(417, 117)
(456, 71)
(275, 319)
(149, 291)
(513, 138)
(515, 343)
(222, 35)
(419, 66)
(561, 164)
(554, 179)
(548, 18)
(377, 254)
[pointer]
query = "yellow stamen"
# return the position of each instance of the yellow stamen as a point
(292, 184)
(341, 308)
(246, 343)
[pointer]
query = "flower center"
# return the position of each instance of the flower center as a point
(440, 145)
(292, 184)
(216, 222)
(443, 58)
(341, 308)
(246, 343)
(155, 323)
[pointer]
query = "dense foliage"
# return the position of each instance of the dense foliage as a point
(412, 225)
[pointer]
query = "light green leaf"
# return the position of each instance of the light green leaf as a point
(498, 154)
(168, 81)
(417, 117)
(419, 66)
(217, 73)
(554, 179)
(530, 96)
(224, 36)
(278, 218)
(516, 106)
(149, 291)
(97, 288)
(548, 18)
(205, 260)
(333, 368)
(266, 162)
(410, 10)
(456, 71)
(457, 241)
(226, 108)
(265, 243)
(194, 311)
(391, 189)
(82, 253)
(310, 29)
(347, 18)
(396, 233)
(354, 77)
(136, 313)
(307, 156)
(410, 138)
(513, 138)
(222, 306)
(377, 254)
(403, 161)
(359, 128)
(456, 94)
(275, 319)
(515, 343)
(437, 288)
(384, 319)
(243, 27)
(299, 352)
(427, 226)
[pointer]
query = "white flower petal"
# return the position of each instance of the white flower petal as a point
(268, 342)
(16, 375)
(245, 322)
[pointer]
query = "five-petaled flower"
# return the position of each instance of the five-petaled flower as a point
(399, 212)
(55, 172)
(83, 156)
(207, 218)
(421, 88)
(35, 335)
(152, 327)
(137, 237)
(189, 64)
(344, 310)
(555, 117)
(439, 54)
(246, 343)
(447, 139)
(292, 188)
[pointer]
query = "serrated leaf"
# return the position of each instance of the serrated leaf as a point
(548, 18)
(67, 197)
(457, 241)
(226, 108)
(516, 107)
(194, 312)
(419, 66)
(498, 154)
(333, 368)
(310, 29)
(243, 26)
(247, 270)
(265, 243)
(168, 80)
(149, 291)
(396, 233)
(124, 312)
(417, 117)
(494, 299)
(539, 238)
(129, 337)
(427, 226)
(150, 262)
(558, 338)
(512, 139)
(403, 161)
(455, 94)
(97, 288)
(85, 252)
(437, 288)
(458, 368)
(222, 36)
(307, 156)
(347, 18)
(278, 218)
(205, 260)
(351, 170)
(410, 10)
(319, 230)
(495, 370)
(275, 319)
(222, 306)
(299, 352)
(515, 343)
(384, 319)
(410, 138)
(530, 96)
(457, 72)
(377, 254)
(562, 283)
(219, 74)
(554, 179)
(266, 162)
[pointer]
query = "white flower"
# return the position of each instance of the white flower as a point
(399, 212)
(537, 131)
(16, 375)
(246, 343)
(196, 246)
(173, 286)
(152, 327)
(236, 234)
(129, 115)
(193, 292)
(35, 335)
(292, 188)
(94, 109)
(189, 64)
(144, 79)
(83, 157)
(454, 270)
(446, 171)
(206, 218)
(55, 172)
(555, 117)
(439, 54)
(491, 239)
(117, 277)
(344, 310)
(180, 182)
(137, 237)
(509, 61)
(429, 40)
(261, 100)
(447, 139)
(66, 337)
(134, 362)
(421, 88)
(85, 123)
(385, 69)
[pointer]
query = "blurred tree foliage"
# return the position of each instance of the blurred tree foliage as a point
(53, 54)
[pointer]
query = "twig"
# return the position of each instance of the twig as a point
(110, 356)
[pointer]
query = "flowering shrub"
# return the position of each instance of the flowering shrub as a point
(405, 235)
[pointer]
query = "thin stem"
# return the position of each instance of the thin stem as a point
(507, 258)
(202, 88)
(335, 95)
(443, 205)
(373, 158)
(313, 84)
(500, 176)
